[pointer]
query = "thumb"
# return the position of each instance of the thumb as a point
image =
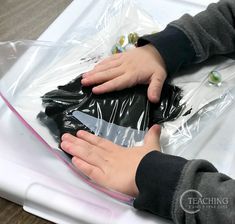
(155, 88)
(152, 137)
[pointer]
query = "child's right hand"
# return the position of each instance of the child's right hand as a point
(142, 65)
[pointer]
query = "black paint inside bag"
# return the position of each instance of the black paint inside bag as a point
(127, 109)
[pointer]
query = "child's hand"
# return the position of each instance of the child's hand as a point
(142, 65)
(106, 163)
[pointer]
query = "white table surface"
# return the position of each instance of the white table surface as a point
(30, 175)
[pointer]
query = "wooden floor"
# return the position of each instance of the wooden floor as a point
(11, 213)
(25, 19)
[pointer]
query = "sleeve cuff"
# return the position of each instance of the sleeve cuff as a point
(156, 178)
(173, 45)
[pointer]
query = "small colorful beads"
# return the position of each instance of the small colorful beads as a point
(215, 78)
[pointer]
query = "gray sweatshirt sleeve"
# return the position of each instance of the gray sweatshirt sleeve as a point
(191, 40)
(212, 31)
(203, 195)
(189, 192)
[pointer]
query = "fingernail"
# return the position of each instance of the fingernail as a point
(84, 75)
(74, 159)
(66, 146)
(64, 136)
(95, 90)
(80, 133)
(155, 98)
(63, 144)
(84, 81)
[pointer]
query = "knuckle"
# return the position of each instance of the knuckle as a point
(109, 72)
(159, 79)
(77, 141)
(89, 153)
(89, 172)
(99, 141)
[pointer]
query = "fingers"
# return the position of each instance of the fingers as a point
(86, 152)
(102, 67)
(152, 137)
(89, 170)
(108, 63)
(72, 139)
(96, 140)
(118, 83)
(111, 58)
(155, 88)
(106, 70)
(80, 142)
(102, 76)
(106, 66)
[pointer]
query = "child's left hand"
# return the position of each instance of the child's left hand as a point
(106, 163)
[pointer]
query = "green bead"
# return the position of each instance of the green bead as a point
(117, 48)
(215, 78)
(114, 50)
(133, 38)
(130, 38)
(121, 40)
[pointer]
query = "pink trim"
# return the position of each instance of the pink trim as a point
(116, 195)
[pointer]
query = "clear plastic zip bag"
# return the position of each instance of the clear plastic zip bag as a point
(30, 69)
(36, 75)
(204, 100)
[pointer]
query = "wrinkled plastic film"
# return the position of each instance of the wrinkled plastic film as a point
(33, 68)
(121, 117)
(65, 61)
(203, 103)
